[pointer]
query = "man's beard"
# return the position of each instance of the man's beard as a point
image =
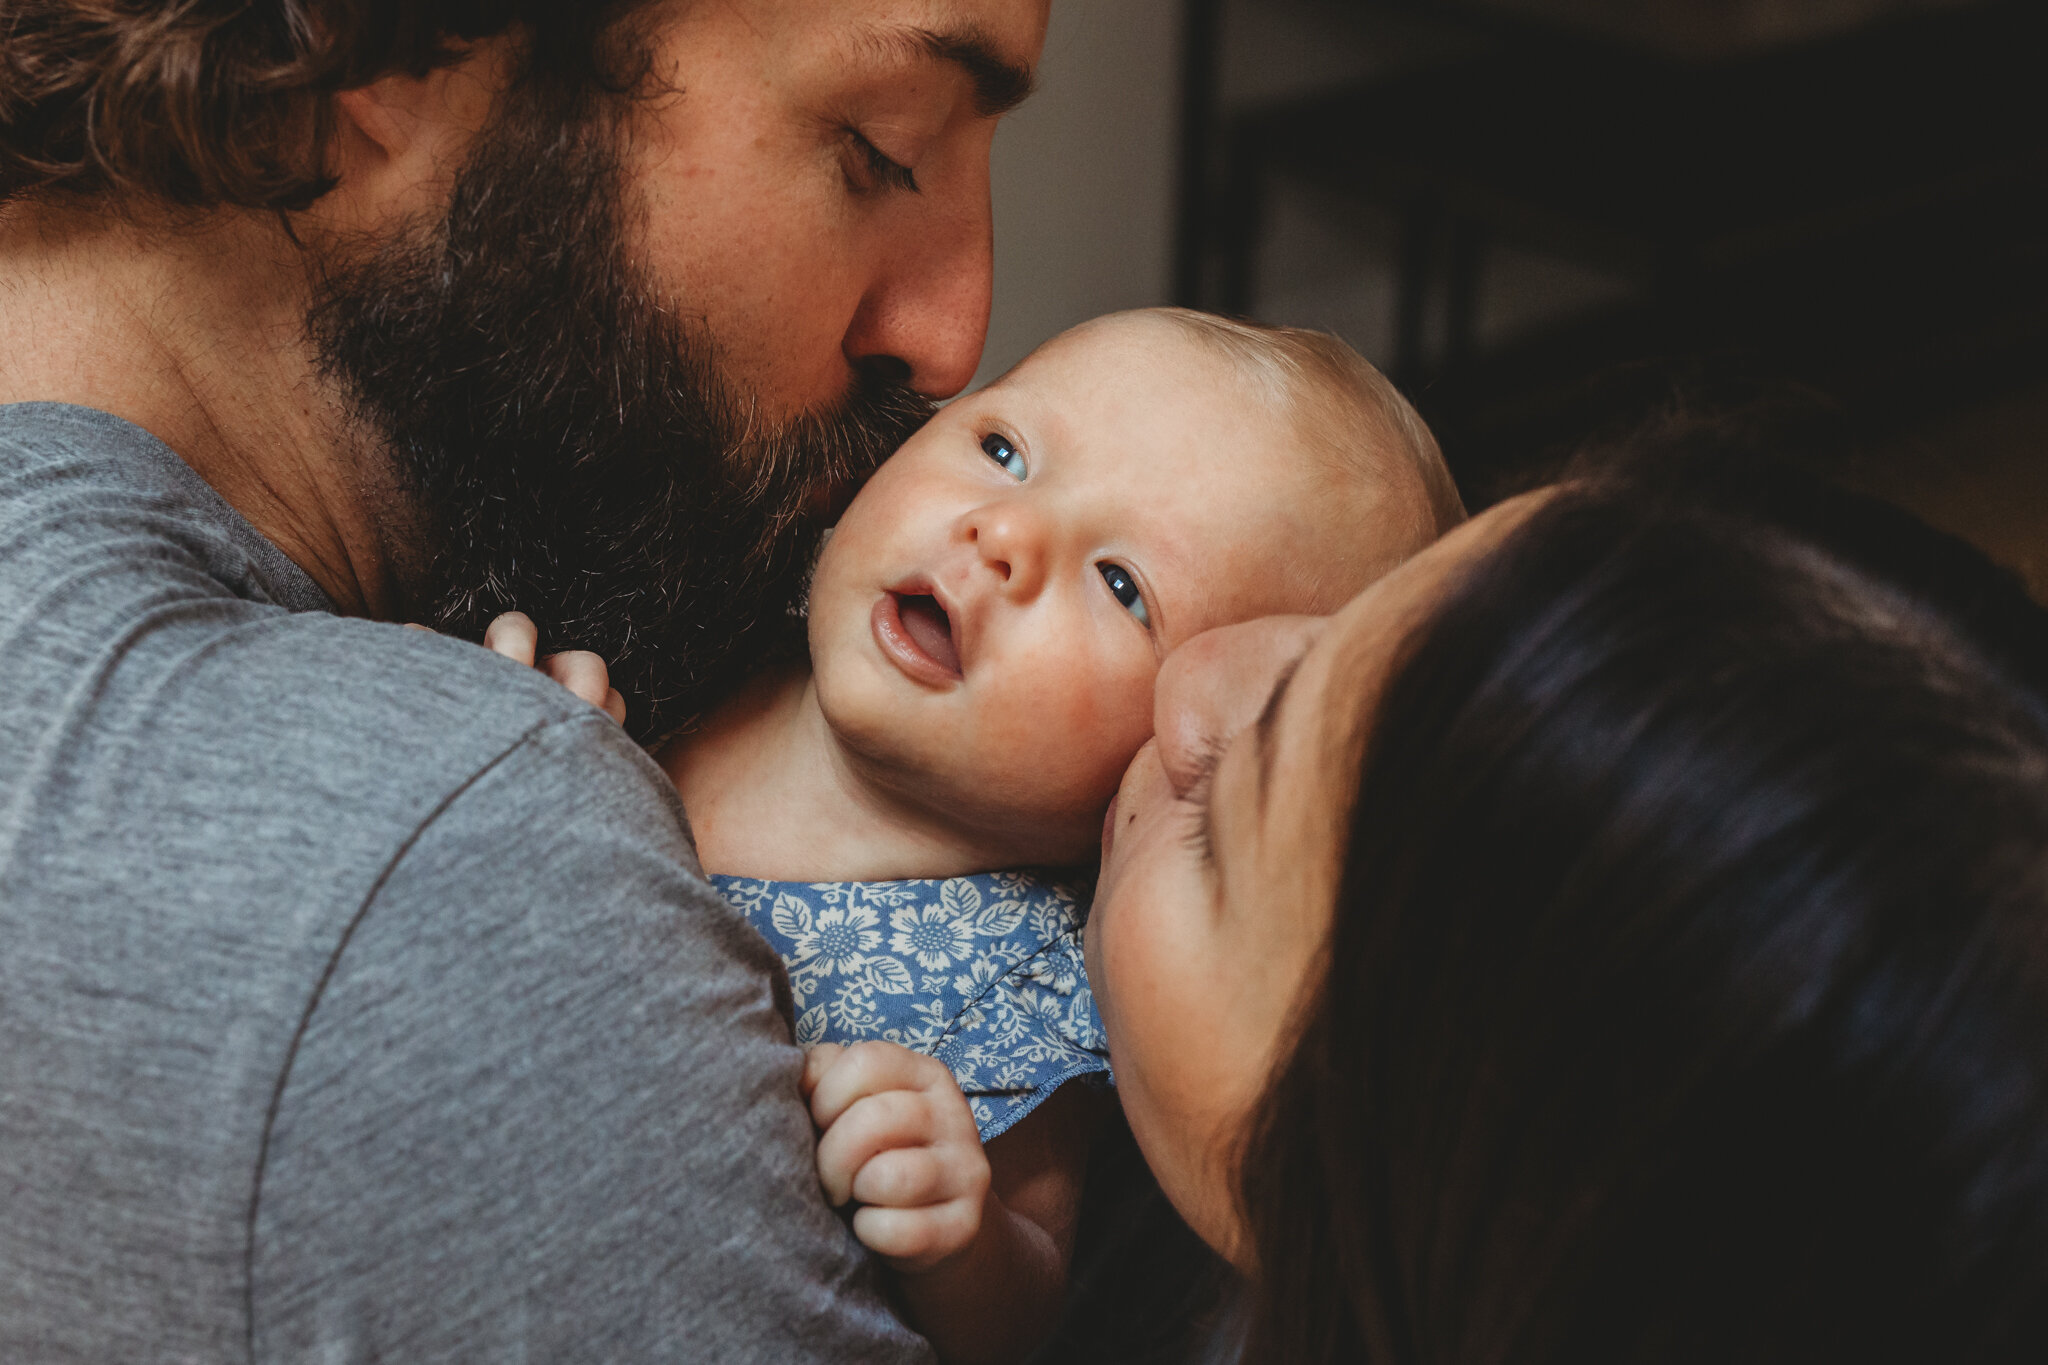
(564, 442)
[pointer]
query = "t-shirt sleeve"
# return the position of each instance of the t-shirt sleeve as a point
(544, 1106)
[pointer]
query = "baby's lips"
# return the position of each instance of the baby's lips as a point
(908, 628)
(957, 645)
(927, 622)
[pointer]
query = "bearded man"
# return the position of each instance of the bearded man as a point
(362, 998)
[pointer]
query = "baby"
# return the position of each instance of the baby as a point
(985, 624)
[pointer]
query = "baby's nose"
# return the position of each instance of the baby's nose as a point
(1216, 684)
(1010, 540)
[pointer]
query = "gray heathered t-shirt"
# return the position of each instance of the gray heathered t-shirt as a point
(360, 997)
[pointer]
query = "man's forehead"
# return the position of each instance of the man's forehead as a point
(994, 43)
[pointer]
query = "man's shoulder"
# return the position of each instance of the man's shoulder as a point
(487, 750)
(196, 771)
(206, 768)
(360, 737)
(368, 972)
(57, 435)
(217, 816)
(58, 460)
(151, 627)
(560, 1042)
(76, 481)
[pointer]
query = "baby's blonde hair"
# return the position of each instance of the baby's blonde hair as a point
(1344, 409)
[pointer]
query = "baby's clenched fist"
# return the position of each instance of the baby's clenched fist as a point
(899, 1140)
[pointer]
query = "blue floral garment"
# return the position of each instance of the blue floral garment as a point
(982, 972)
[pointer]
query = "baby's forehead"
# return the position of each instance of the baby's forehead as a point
(1166, 404)
(1235, 456)
(1274, 547)
(1141, 332)
(1145, 357)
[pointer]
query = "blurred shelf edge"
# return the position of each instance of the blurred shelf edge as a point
(1865, 214)
(1707, 30)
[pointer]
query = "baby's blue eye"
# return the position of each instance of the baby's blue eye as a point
(1125, 589)
(997, 447)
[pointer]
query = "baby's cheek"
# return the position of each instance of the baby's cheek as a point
(1089, 731)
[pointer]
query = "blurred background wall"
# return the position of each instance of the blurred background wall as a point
(1085, 175)
(1548, 217)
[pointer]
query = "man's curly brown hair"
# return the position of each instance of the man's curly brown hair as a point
(205, 103)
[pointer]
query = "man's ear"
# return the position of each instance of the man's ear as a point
(397, 142)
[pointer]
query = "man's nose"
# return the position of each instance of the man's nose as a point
(924, 318)
(1215, 685)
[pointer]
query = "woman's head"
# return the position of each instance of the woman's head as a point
(1626, 937)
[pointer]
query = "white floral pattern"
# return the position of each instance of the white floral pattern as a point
(984, 973)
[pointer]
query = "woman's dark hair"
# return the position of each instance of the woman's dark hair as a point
(204, 103)
(1687, 997)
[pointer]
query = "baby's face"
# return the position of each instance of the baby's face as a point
(988, 617)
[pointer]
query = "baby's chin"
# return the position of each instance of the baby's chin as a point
(1004, 808)
(1029, 802)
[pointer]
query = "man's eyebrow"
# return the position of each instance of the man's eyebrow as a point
(1000, 85)
(1264, 728)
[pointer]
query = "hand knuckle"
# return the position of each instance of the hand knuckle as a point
(962, 1219)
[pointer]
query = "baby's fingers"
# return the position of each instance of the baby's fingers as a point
(584, 674)
(875, 1123)
(817, 1061)
(917, 1239)
(898, 1124)
(513, 635)
(914, 1177)
(868, 1069)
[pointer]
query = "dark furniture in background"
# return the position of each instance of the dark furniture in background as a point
(1863, 213)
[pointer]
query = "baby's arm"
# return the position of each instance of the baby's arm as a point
(979, 1237)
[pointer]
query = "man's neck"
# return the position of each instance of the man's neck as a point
(772, 793)
(196, 334)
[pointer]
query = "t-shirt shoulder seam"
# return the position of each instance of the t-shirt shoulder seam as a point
(341, 944)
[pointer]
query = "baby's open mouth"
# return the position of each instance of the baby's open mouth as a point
(928, 626)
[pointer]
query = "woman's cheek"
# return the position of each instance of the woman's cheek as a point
(1134, 942)
(1138, 968)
